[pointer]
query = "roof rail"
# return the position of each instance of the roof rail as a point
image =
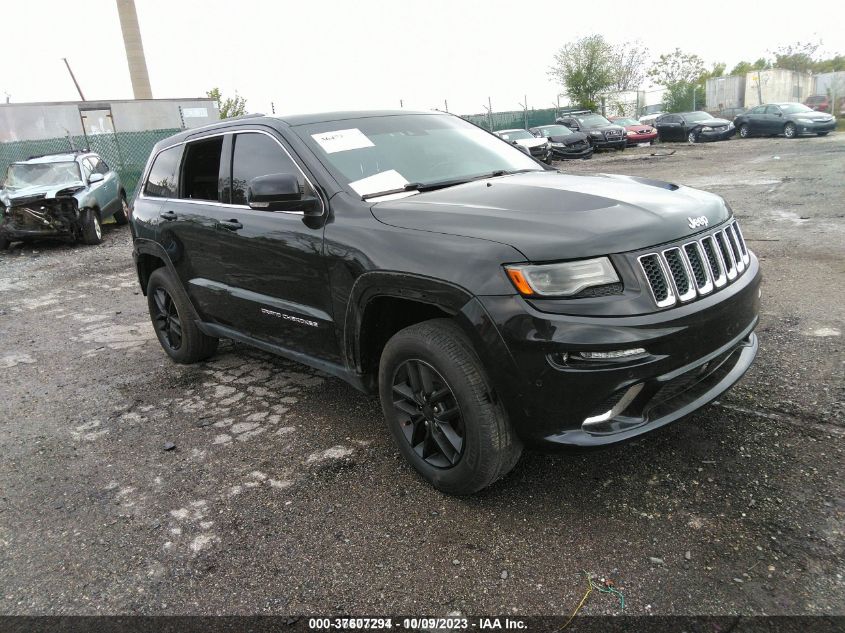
(71, 151)
(244, 116)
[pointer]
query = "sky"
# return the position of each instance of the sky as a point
(323, 55)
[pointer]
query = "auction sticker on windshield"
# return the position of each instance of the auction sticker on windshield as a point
(342, 140)
(382, 181)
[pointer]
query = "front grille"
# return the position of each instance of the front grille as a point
(683, 272)
(607, 290)
(614, 132)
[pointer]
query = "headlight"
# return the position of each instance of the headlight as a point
(805, 121)
(707, 128)
(563, 279)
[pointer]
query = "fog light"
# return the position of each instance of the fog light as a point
(612, 354)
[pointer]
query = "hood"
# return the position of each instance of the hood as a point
(531, 142)
(814, 116)
(11, 196)
(603, 128)
(569, 139)
(639, 129)
(713, 122)
(552, 216)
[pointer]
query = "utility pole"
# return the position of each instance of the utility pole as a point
(525, 111)
(134, 49)
(446, 104)
(401, 103)
(489, 108)
(72, 76)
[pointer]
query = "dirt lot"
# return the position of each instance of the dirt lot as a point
(285, 495)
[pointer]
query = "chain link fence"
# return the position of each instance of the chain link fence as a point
(515, 119)
(125, 152)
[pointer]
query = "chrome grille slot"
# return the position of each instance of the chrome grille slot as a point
(697, 264)
(658, 280)
(681, 275)
(726, 253)
(714, 259)
(745, 256)
(733, 241)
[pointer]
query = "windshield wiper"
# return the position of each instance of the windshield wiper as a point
(442, 184)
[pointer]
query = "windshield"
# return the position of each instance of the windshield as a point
(697, 116)
(513, 135)
(794, 108)
(22, 175)
(626, 122)
(384, 154)
(592, 120)
(555, 130)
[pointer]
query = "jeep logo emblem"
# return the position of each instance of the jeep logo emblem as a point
(701, 220)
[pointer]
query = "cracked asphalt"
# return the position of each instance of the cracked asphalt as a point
(284, 495)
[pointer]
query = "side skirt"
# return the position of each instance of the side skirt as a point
(333, 369)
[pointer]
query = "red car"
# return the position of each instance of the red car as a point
(637, 132)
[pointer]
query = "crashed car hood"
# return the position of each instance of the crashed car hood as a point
(569, 139)
(10, 196)
(553, 216)
(531, 142)
(713, 122)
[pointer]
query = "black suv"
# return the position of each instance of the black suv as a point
(602, 133)
(490, 301)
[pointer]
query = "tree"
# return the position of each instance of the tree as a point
(230, 106)
(628, 63)
(585, 69)
(675, 68)
(743, 67)
(799, 56)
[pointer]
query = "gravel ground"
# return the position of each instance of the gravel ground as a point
(284, 494)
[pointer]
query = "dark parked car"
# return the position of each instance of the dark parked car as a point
(60, 195)
(537, 147)
(789, 119)
(490, 301)
(693, 127)
(563, 142)
(602, 133)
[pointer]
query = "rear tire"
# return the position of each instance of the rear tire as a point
(92, 230)
(790, 131)
(437, 358)
(173, 321)
(122, 216)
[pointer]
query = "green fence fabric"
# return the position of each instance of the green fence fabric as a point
(514, 119)
(125, 152)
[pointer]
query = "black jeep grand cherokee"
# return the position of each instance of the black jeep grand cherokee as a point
(491, 302)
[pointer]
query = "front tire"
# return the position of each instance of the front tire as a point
(692, 137)
(441, 409)
(744, 131)
(822, 133)
(790, 131)
(92, 230)
(173, 322)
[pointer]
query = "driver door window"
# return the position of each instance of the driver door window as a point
(255, 154)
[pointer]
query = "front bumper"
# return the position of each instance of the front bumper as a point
(694, 353)
(604, 143)
(634, 139)
(567, 152)
(717, 136)
(815, 128)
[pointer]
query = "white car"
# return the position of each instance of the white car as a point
(539, 148)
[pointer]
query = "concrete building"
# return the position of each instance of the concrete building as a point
(776, 85)
(725, 93)
(35, 121)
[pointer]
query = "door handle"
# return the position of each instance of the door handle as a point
(167, 215)
(230, 225)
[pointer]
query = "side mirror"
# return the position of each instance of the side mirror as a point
(280, 192)
(95, 177)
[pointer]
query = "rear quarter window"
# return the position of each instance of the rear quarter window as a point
(161, 182)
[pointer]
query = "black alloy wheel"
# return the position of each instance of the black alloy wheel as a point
(166, 318)
(428, 413)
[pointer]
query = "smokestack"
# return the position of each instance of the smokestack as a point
(134, 49)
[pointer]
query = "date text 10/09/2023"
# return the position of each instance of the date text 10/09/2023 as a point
(449, 623)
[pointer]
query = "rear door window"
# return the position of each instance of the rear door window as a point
(255, 154)
(161, 183)
(201, 170)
